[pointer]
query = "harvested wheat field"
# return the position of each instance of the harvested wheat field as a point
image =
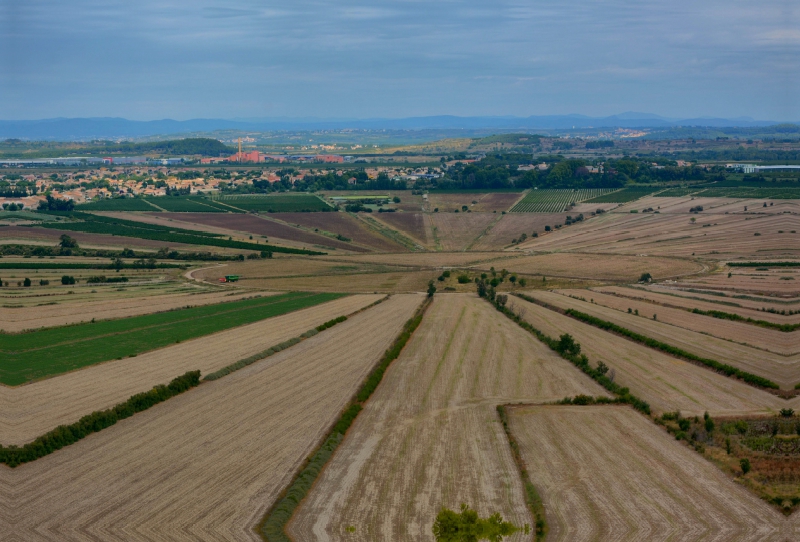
(430, 435)
(425, 259)
(781, 284)
(207, 464)
(748, 301)
(783, 370)
(365, 282)
(667, 383)
(30, 410)
(342, 224)
(512, 226)
(663, 297)
(771, 340)
(15, 320)
(723, 237)
(284, 266)
(600, 267)
(457, 231)
(608, 473)
(411, 225)
(486, 202)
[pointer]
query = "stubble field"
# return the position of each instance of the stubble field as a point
(430, 436)
(607, 473)
(208, 463)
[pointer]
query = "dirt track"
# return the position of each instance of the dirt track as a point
(204, 465)
(430, 435)
(30, 410)
(607, 473)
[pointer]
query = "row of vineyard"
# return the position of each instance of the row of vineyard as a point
(556, 201)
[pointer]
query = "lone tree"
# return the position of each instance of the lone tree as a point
(67, 242)
(431, 289)
(646, 277)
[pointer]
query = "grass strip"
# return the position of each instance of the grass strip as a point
(36, 354)
(64, 435)
(566, 347)
(738, 318)
(272, 527)
(532, 498)
(724, 368)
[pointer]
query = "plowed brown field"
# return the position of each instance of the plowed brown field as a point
(457, 231)
(430, 435)
(207, 464)
(665, 382)
(607, 473)
(28, 411)
(344, 224)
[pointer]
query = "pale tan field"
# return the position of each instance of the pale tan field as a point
(763, 338)
(487, 202)
(707, 303)
(726, 237)
(593, 266)
(390, 282)
(15, 320)
(207, 464)
(608, 473)
(457, 231)
(425, 259)
(666, 383)
(749, 301)
(289, 266)
(513, 225)
(783, 370)
(782, 284)
(30, 410)
(430, 435)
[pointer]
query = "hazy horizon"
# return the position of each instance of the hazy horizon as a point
(398, 59)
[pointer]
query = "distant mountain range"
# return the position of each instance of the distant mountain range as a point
(68, 129)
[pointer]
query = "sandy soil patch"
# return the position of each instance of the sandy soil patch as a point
(430, 435)
(30, 410)
(607, 473)
(207, 464)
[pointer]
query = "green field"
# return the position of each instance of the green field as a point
(275, 204)
(36, 354)
(190, 204)
(755, 193)
(623, 196)
(555, 201)
(35, 264)
(677, 192)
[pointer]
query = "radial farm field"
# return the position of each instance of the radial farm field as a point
(36, 354)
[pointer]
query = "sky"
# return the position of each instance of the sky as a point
(248, 59)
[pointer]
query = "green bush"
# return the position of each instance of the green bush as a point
(464, 279)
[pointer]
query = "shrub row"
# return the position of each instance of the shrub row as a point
(567, 348)
(532, 498)
(738, 318)
(724, 368)
(331, 323)
(763, 264)
(65, 435)
(274, 522)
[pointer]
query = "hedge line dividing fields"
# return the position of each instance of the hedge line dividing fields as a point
(126, 228)
(275, 204)
(64, 435)
(724, 368)
(555, 201)
(117, 204)
(78, 265)
(750, 193)
(272, 527)
(32, 355)
(623, 196)
(786, 328)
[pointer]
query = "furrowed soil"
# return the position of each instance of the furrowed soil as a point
(430, 435)
(31, 410)
(608, 473)
(667, 383)
(771, 340)
(457, 231)
(411, 225)
(512, 226)
(344, 224)
(206, 464)
(749, 301)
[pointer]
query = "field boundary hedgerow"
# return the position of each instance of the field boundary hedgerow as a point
(722, 315)
(532, 498)
(272, 526)
(242, 363)
(722, 368)
(64, 435)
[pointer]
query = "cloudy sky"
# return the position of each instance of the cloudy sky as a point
(396, 58)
